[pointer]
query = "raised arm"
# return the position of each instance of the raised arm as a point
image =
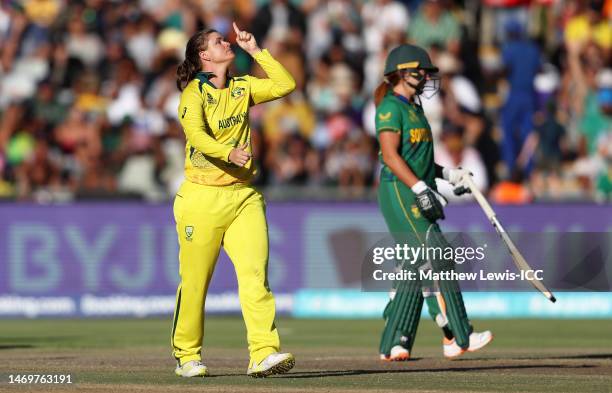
(279, 82)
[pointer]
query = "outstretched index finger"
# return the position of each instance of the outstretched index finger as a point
(236, 29)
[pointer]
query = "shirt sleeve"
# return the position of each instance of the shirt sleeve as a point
(191, 115)
(278, 84)
(387, 118)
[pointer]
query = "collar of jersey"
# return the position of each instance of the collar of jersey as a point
(204, 77)
(405, 100)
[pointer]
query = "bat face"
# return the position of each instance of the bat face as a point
(516, 255)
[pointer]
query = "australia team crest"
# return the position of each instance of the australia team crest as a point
(237, 92)
(189, 233)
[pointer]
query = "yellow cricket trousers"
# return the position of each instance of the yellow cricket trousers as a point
(208, 217)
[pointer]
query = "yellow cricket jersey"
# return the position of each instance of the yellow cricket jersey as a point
(217, 120)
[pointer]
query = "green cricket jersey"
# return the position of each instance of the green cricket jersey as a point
(396, 114)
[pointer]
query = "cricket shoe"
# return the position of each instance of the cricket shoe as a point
(276, 363)
(194, 368)
(398, 354)
(477, 341)
(451, 349)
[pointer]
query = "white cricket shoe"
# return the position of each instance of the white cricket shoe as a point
(194, 368)
(451, 349)
(398, 354)
(477, 341)
(276, 363)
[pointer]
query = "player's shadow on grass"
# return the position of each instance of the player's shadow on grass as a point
(32, 342)
(604, 356)
(342, 373)
(607, 356)
(15, 346)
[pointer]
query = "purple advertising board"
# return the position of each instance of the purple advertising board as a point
(109, 248)
(126, 253)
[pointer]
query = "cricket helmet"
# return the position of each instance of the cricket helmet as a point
(408, 57)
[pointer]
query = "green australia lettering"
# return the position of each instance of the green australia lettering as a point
(232, 121)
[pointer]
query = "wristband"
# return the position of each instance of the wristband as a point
(419, 187)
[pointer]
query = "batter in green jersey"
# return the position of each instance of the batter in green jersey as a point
(411, 206)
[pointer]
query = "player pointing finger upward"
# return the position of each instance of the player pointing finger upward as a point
(215, 206)
(245, 40)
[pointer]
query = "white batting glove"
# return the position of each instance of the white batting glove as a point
(455, 177)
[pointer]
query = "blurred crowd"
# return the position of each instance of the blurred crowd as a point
(88, 100)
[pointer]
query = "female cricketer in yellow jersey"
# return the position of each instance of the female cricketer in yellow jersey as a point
(215, 206)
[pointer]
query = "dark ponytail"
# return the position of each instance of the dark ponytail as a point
(188, 69)
(387, 84)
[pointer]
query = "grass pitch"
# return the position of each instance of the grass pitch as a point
(332, 356)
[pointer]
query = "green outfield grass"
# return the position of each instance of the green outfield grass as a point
(337, 356)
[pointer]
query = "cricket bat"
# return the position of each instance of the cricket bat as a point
(517, 257)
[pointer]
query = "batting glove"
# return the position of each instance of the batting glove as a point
(455, 177)
(430, 203)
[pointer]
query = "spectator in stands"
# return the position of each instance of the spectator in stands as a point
(434, 24)
(88, 106)
(382, 18)
(589, 25)
(279, 19)
(512, 191)
(289, 165)
(453, 153)
(497, 13)
(522, 62)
